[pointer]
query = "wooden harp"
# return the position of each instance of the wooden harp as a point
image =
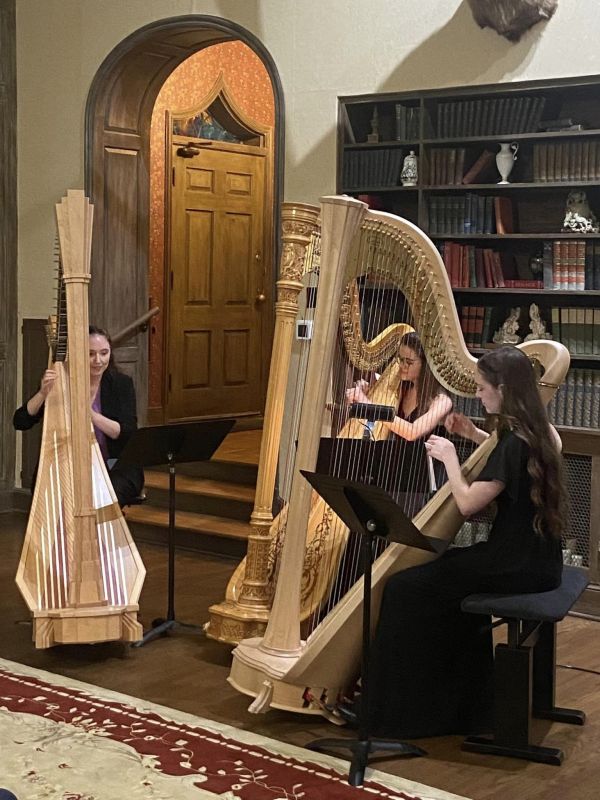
(79, 573)
(283, 668)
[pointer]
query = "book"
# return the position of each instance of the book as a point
(565, 329)
(588, 389)
(481, 168)
(588, 331)
(555, 320)
(580, 331)
(596, 333)
(486, 330)
(596, 399)
(504, 213)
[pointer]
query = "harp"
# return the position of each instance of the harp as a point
(245, 610)
(79, 573)
(280, 669)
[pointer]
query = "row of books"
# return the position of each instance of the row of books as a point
(377, 167)
(578, 329)
(476, 325)
(566, 161)
(490, 116)
(408, 122)
(571, 264)
(575, 404)
(482, 268)
(470, 213)
(446, 165)
(577, 401)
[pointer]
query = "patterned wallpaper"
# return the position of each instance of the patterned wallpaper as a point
(250, 86)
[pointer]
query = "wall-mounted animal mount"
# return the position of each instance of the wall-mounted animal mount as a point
(511, 18)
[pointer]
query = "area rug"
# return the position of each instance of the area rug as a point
(65, 740)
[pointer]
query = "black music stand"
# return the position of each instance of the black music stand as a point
(370, 511)
(168, 444)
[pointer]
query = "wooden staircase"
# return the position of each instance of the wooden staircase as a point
(214, 500)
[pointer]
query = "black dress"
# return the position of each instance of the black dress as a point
(431, 663)
(117, 398)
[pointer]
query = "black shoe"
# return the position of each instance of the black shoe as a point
(348, 714)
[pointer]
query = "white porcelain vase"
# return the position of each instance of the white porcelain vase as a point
(505, 159)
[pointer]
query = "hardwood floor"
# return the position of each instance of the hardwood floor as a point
(187, 671)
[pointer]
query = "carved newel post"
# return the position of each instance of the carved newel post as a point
(245, 611)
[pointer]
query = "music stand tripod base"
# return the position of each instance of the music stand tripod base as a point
(173, 444)
(360, 750)
(160, 627)
(369, 511)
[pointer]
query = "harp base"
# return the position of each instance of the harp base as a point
(85, 626)
(277, 693)
(230, 623)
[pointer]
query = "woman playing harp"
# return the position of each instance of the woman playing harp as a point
(113, 413)
(432, 663)
(79, 573)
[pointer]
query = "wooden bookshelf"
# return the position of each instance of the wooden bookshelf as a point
(450, 130)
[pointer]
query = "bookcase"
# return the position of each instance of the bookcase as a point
(503, 244)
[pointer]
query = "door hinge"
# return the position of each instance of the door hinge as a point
(173, 176)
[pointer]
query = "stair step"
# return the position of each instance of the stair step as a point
(202, 532)
(202, 486)
(186, 520)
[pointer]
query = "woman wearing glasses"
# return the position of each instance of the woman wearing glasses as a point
(422, 403)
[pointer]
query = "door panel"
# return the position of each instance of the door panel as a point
(215, 321)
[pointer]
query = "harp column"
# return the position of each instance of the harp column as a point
(248, 613)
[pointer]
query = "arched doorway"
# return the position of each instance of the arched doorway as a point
(118, 114)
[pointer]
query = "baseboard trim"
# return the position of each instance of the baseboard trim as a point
(15, 500)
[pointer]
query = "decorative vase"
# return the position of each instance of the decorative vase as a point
(410, 172)
(505, 159)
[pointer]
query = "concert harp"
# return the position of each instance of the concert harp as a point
(303, 670)
(79, 573)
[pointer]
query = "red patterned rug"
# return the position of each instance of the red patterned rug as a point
(65, 740)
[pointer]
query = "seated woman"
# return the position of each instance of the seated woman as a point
(422, 407)
(432, 663)
(113, 411)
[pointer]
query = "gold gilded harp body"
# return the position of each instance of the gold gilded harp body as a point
(79, 573)
(279, 669)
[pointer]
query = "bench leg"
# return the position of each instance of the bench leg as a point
(513, 681)
(544, 680)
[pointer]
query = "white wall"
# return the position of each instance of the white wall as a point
(322, 48)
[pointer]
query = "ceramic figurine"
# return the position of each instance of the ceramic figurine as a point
(410, 172)
(507, 333)
(537, 326)
(505, 159)
(579, 217)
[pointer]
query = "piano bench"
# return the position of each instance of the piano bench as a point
(525, 667)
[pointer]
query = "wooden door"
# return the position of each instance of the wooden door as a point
(217, 282)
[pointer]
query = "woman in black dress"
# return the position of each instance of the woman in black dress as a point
(432, 663)
(114, 415)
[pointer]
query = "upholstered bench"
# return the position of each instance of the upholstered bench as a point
(525, 667)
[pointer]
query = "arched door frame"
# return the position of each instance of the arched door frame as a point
(117, 164)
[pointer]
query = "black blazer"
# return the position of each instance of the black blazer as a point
(117, 395)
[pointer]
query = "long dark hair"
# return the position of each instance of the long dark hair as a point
(427, 386)
(523, 412)
(94, 330)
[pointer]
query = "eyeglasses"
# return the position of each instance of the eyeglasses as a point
(408, 362)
